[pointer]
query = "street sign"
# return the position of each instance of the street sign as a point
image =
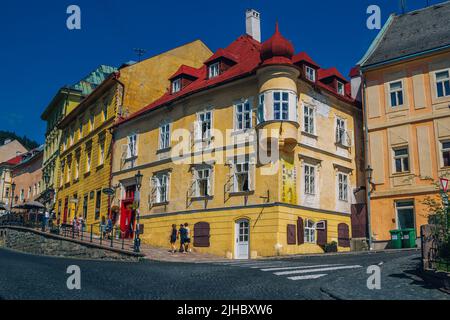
(444, 184)
(109, 191)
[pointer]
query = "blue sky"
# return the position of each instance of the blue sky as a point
(39, 54)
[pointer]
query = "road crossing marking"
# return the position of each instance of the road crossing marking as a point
(301, 267)
(284, 273)
(308, 277)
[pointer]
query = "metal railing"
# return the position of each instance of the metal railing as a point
(93, 233)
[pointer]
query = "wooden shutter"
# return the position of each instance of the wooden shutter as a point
(343, 235)
(322, 235)
(300, 231)
(291, 234)
(202, 235)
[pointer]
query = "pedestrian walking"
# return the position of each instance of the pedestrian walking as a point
(75, 226)
(173, 237)
(80, 224)
(187, 239)
(182, 236)
(103, 227)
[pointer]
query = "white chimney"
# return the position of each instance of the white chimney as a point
(253, 24)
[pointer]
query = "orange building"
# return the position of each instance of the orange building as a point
(406, 80)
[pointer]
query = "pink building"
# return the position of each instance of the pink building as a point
(27, 177)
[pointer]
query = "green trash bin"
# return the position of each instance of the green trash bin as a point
(396, 239)
(409, 238)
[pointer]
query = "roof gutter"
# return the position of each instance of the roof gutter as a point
(409, 56)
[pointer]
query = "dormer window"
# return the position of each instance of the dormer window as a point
(340, 88)
(176, 85)
(310, 74)
(214, 70)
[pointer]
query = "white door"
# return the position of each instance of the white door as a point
(242, 235)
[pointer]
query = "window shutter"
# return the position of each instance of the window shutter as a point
(230, 186)
(211, 182)
(343, 235)
(322, 235)
(202, 235)
(153, 191)
(192, 192)
(291, 234)
(252, 176)
(293, 115)
(300, 231)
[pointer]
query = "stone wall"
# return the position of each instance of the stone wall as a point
(35, 242)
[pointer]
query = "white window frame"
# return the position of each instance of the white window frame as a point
(340, 88)
(207, 135)
(442, 82)
(214, 70)
(240, 169)
(88, 160)
(397, 93)
(132, 146)
(444, 150)
(244, 123)
(101, 152)
(261, 108)
(341, 131)
(164, 135)
(283, 112)
(343, 186)
(161, 183)
(203, 174)
(176, 85)
(309, 119)
(310, 231)
(401, 158)
(309, 172)
(310, 73)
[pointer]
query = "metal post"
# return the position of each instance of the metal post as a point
(137, 241)
(91, 232)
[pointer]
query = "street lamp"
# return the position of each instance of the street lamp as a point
(369, 174)
(137, 241)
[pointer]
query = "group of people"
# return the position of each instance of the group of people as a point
(106, 227)
(78, 225)
(184, 234)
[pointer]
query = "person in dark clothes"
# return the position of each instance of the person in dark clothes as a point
(174, 237)
(182, 235)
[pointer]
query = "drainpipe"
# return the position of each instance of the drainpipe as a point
(367, 161)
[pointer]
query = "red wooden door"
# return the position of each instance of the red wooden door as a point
(126, 214)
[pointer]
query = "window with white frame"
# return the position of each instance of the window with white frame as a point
(214, 70)
(396, 93)
(343, 186)
(310, 73)
(132, 146)
(445, 153)
(242, 177)
(341, 131)
(176, 85)
(203, 182)
(243, 115)
(160, 188)
(88, 160)
(443, 83)
(204, 125)
(401, 160)
(261, 108)
(340, 88)
(310, 231)
(310, 179)
(281, 105)
(308, 120)
(101, 152)
(164, 136)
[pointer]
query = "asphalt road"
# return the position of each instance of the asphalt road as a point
(25, 276)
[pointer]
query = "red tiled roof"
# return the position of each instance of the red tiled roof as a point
(186, 70)
(331, 72)
(303, 56)
(222, 53)
(246, 52)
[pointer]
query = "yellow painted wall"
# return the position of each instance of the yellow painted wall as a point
(421, 124)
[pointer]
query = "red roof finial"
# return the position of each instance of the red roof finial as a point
(277, 49)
